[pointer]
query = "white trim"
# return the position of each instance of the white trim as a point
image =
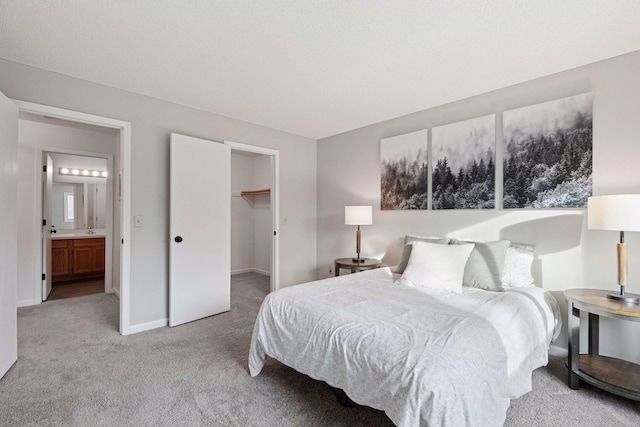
(26, 303)
(124, 183)
(141, 327)
(275, 205)
(115, 291)
(263, 272)
(250, 270)
(556, 350)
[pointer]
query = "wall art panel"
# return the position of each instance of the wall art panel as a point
(403, 176)
(548, 154)
(463, 164)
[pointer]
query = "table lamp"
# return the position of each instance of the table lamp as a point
(358, 215)
(618, 213)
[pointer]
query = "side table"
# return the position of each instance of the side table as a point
(617, 376)
(348, 263)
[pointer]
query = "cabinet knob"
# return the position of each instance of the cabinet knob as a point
(178, 239)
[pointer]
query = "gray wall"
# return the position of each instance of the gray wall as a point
(568, 255)
(152, 121)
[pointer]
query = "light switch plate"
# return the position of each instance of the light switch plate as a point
(137, 221)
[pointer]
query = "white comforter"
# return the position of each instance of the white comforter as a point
(422, 357)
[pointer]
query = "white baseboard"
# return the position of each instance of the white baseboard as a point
(141, 327)
(27, 302)
(115, 291)
(250, 270)
(556, 350)
(263, 272)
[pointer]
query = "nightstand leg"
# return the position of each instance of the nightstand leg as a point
(594, 334)
(337, 270)
(573, 332)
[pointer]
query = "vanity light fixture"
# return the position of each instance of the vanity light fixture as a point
(84, 172)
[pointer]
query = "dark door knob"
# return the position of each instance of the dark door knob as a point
(178, 239)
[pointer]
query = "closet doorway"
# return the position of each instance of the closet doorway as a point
(254, 211)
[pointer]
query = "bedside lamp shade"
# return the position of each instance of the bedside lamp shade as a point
(621, 213)
(358, 215)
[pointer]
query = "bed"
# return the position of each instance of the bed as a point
(424, 356)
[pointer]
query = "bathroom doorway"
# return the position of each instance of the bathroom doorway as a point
(117, 241)
(76, 216)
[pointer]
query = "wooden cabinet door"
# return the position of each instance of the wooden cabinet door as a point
(60, 257)
(97, 258)
(88, 255)
(81, 259)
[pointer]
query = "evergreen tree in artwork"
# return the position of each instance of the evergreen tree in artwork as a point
(470, 183)
(550, 168)
(471, 188)
(403, 182)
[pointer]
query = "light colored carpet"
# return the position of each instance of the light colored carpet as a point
(75, 369)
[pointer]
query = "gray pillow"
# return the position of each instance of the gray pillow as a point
(408, 244)
(485, 264)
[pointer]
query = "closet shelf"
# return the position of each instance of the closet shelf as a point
(256, 192)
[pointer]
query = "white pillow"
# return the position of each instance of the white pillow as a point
(436, 266)
(517, 267)
(409, 240)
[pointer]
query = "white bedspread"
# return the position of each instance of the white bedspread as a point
(422, 357)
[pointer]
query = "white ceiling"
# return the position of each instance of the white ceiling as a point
(314, 67)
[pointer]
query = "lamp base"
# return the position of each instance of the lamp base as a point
(626, 298)
(358, 260)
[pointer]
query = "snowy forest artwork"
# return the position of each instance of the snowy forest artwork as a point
(403, 178)
(463, 174)
(548, 154)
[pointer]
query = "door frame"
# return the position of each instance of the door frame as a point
(275, 204)
(46, 251)
(124, 191)
(109, 237)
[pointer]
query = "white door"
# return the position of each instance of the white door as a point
(47, 226)
(200, 229)
(8, 233)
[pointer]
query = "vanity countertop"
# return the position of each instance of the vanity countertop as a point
(77, 234)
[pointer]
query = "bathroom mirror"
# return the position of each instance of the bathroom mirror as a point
(78, 206)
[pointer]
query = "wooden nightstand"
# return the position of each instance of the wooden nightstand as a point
(368, 264)
(617, 376)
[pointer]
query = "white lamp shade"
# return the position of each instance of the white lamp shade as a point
(358, 215)
(620, 212)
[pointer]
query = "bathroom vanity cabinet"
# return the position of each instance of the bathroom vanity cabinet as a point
(77, 258)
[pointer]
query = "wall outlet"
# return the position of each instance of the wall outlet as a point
(330, 270)
(137, 221)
